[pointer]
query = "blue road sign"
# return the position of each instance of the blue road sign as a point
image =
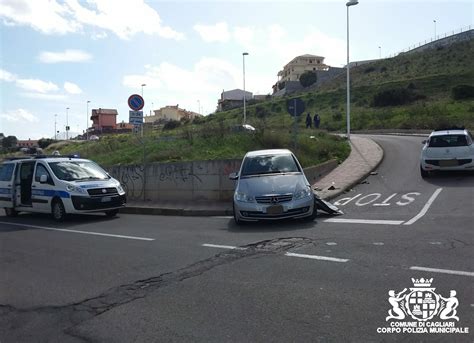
(136, 102)
(295, 106)
(135, 117)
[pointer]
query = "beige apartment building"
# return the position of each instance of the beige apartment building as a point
(168, 113)
(298, 65)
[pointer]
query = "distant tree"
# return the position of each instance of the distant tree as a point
(45, 142)
(308, 78)
(9, 142)
(172, 124)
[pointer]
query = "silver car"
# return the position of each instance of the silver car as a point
(271, 185)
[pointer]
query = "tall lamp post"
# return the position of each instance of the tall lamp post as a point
(87, 120)
(55, 132)
(199, 106)
(434, 21)
(380, 52)
(348, 113)
(245, 95)
(67, 123)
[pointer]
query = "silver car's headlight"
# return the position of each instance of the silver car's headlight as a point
(302, 193)
(120, 188)
(72, 188)
(239, 196)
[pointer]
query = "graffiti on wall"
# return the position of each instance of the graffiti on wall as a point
(177, 173)
(131, 178)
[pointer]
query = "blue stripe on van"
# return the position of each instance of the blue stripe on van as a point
(5, 191)
(50, 193)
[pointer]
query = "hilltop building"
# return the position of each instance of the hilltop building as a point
(232, 99)
(104, 119)
(168, 113)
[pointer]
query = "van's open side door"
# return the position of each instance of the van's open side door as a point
(7, 184)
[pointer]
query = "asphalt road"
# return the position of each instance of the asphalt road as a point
(172, 279)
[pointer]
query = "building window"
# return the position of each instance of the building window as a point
(318, 61)
(314, 69)
(310, 61)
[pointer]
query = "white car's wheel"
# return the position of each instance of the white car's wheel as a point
(424, 173)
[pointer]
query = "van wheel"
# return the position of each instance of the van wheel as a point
(111, 213)
(10, 212)
(57, 210)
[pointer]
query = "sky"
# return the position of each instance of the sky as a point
(58, 54)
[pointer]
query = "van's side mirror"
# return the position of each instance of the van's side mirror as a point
(424, 141)
(234, 176)
(43, 178)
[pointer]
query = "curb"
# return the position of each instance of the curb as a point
(356, 181)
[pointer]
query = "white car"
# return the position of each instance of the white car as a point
(58, 185)
(447, 150)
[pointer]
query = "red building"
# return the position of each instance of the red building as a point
(104, 119)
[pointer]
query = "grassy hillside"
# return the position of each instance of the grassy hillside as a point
(421, 82)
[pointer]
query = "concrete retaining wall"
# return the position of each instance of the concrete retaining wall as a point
(199, 180)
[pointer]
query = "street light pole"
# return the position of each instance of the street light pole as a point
(199, 106)
(348, 113)
(67, 123)
(380, 52)
(243, 64)
(434, 21)
(55, 131)
(87, 120)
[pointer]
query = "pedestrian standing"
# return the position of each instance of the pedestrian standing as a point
(308, 120)
(317, 121)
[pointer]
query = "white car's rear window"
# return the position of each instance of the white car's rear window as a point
(448, 141)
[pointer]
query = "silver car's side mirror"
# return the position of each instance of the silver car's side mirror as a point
(234, 176)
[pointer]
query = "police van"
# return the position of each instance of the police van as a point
(59, 185)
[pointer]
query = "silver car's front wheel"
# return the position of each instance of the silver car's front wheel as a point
(236, 218)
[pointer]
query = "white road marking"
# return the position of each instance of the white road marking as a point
(331, 243)
(222, 246)
(378, 243)
(425, 208)
(444, 271)
(316, 257)
(436, 243)
(363, 221)
(82, 232)
(222, 217)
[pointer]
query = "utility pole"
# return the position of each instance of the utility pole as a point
(55, 131)
(87, 121)
(67, 123)
(245, 109)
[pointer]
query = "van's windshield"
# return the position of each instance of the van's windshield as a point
(78, 171)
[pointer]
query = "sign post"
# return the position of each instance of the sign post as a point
(295, 108)
(136, 104)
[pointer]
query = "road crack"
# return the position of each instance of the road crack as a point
(61, 320)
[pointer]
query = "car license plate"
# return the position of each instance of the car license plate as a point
(448, 163)
(106, 199)
(276, 209)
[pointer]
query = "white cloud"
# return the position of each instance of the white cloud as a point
(44, 96)
(244, 35)
(7, 76)
(213, 33)
(46, 16)
(19, 115)
(64, 56)
(36, 85)
(52, 17)
(97, 36)
(72, 88)
(116, 17)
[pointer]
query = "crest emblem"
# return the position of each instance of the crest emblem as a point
(422, 303)
(104, 190)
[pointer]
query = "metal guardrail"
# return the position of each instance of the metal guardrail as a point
(432, 39)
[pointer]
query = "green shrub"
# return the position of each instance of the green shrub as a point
(172, 124)
(462, 92)
(395, 97)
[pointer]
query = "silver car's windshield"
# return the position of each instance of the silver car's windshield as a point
(269, 164)
(78, 171)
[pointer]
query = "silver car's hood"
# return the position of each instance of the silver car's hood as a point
(271, 184)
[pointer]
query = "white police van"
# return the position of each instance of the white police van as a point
(59, 185)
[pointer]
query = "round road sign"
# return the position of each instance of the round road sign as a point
(136, 102)
(295, 106)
